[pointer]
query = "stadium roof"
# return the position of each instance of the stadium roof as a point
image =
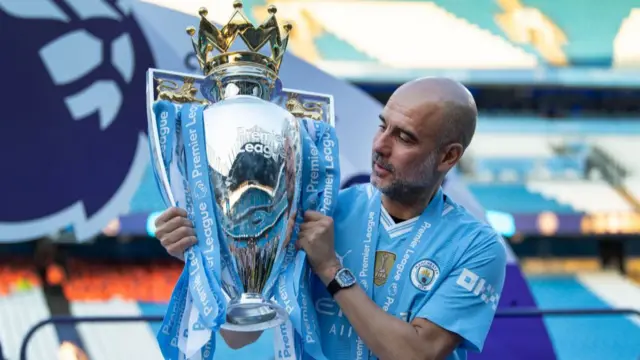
(472, 40)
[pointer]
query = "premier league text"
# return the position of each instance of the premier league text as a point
(164, 130)
(366, 251)
(261, 142)
(328, 146)
(206, 222)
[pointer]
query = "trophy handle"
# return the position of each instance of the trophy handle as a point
(178, 89)
(306, 104)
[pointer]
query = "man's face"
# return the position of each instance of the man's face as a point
(405, 156)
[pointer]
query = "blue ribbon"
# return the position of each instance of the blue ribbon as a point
(165, 114)
(203, 262)
(320, 186)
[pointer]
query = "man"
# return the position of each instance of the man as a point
(438, 272)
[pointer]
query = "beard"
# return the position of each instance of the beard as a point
(407, 189)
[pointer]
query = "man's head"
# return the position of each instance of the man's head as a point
(424, 129)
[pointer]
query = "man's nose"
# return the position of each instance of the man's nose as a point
(382, 144)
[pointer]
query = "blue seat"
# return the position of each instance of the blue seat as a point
(515, 199)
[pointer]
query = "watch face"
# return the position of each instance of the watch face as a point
(345, 278)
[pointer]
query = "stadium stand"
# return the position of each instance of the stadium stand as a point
(582, 195)
(516, 198)
(478, 45)
(22, 305)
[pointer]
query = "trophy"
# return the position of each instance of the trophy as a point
(241, 181)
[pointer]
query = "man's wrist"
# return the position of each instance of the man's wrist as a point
(329, 273)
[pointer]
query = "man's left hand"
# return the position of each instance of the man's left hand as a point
(316, 237)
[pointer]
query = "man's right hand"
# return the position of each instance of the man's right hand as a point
(175, 231)
(176, 234)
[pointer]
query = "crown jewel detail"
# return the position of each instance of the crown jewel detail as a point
(209, 37)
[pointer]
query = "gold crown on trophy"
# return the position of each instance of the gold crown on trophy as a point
(255, 38)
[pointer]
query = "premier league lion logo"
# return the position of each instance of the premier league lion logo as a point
(73, 117)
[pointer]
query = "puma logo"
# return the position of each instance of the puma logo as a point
(341, 258)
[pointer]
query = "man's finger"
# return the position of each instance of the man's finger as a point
(165, 216)
(306, 226)
(302, 245)
(179, 247)
(172, 225)
(177, 235)
(186, 243)
(174, 250)
(169, 214)
(176, 223)
(311, 215)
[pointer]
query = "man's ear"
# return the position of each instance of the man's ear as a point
(449, 156)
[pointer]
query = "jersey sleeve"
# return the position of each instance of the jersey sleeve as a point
(466, 301)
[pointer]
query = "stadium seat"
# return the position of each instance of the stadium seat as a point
(582, 195)
(515, 199)
(623, 149)
(521, 156)
(510, 145)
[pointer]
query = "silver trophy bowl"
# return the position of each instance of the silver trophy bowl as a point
(254, 153)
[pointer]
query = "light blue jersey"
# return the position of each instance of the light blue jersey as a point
(443, 266)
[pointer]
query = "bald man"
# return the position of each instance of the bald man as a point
(402, 272)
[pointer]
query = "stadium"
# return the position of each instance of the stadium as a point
(552, 166)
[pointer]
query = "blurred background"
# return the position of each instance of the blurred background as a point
(554, 165)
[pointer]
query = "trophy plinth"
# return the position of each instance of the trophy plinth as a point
(252, 312)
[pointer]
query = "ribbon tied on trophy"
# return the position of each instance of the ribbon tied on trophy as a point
(244, 157)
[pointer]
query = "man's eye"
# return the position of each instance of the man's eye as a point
(404, 137)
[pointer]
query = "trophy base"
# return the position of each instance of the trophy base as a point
(251, 312)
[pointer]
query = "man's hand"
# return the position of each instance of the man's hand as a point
(175, 231)
(317, 240)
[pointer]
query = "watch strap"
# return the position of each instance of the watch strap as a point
(333, 287)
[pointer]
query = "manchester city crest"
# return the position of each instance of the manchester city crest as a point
(424, 274)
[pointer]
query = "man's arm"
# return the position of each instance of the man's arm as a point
(459, 313)
(389, 337)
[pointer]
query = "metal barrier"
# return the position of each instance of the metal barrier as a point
(505, 313)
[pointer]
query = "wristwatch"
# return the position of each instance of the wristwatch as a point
(342, 280)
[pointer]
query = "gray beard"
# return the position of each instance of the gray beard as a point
(411, 191)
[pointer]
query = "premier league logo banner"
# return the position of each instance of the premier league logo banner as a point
(245, 158)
